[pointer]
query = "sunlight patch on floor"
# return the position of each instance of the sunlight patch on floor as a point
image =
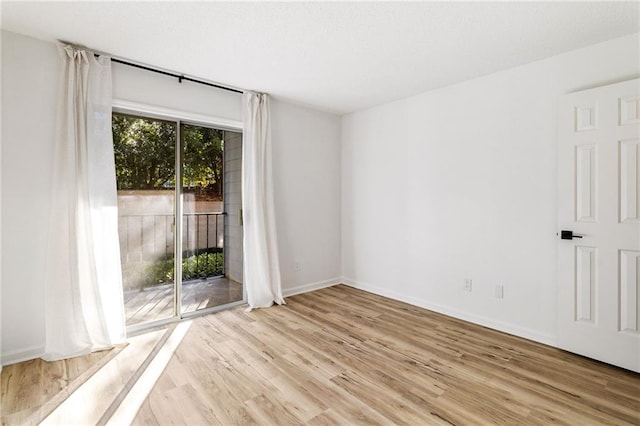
(129, 407)
(89, 402)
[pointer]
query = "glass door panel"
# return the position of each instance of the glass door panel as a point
(145, 157)
(204, 284)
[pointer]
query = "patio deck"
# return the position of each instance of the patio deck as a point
(156, 302)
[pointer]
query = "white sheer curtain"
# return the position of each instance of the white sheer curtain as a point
(261, 266)
(84, 309)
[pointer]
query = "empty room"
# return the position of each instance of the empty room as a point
(323, 213)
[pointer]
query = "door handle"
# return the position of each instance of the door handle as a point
(568, 235)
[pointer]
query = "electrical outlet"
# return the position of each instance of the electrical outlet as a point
(466, 284)
(499, 292)
(296, 266)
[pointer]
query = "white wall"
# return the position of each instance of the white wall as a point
(306, 169)
(29, 83)
(460, 183)
(306, 145)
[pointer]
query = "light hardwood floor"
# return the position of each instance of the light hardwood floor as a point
(343, 356)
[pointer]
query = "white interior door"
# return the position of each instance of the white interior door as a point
(599, 200)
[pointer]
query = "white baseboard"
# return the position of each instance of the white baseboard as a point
(504, 327)
(21, 355)
(287, 292)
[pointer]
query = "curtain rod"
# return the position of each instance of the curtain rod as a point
(180, 77)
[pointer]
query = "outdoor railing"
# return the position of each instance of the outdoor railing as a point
(147, 246)
(150, 235)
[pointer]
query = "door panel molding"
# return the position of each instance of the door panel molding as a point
(586, 283)
(586, 182)
(630, 291)
(629, 181)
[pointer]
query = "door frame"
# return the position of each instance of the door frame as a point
(179, 117)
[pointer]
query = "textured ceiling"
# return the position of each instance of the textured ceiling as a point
(338, 57)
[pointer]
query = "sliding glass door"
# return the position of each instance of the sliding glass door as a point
(145, 154)
(170, 173)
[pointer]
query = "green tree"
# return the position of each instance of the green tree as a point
(144, 152)
(145, 155)
(202, 158)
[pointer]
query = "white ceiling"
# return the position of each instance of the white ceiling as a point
(338, 57)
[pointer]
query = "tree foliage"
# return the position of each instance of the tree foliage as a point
(202, 158)
(145, 155)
